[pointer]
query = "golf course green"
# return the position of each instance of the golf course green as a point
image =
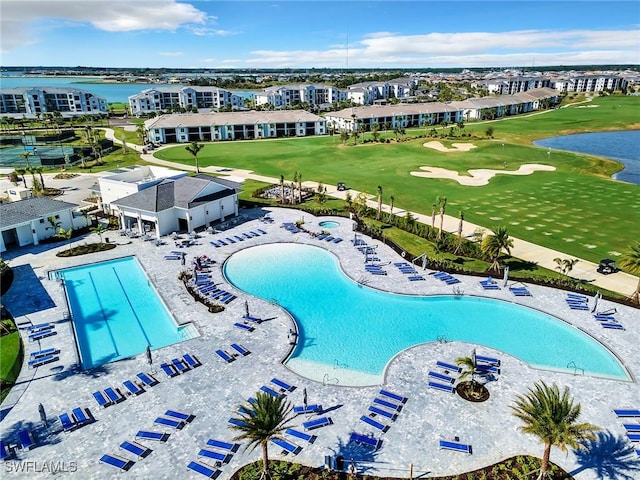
(577, 209)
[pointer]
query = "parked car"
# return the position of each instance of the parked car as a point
(607, 266)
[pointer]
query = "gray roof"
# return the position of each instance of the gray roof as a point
(15, 213)
(23, 90)
(175, 120)
(182, 193)
(222, 181)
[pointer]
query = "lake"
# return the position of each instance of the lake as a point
(113, 92)
(620, 146)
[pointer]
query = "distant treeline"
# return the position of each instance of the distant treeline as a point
(69, 71)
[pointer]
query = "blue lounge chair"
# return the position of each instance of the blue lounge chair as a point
(263, 232)
(317, 423)
(448, 366)
(27, 441)
(132, 387)
(169, 370)
(415, 278)
(191, 360)
(374, 424)
(627, 413)
(102, 402)
(283, 385)
(185, 417)
(606, 318)
(246, 235)
(441, 376)
(243, 326)
(39, 326)
(240, 349)
(366, 440)
(168, 422)
(236, 421)
(43, 334)
(633, 437)
(270, 391)
(222, 242)
(203, 469)
(113, 394)
(307, 409)
(215, 244)
(138, 450)
(230, 240)
(612, 325)
(572, 307)
(384, 413)
(490, 287)
(337, 240)
(384, 403)
(150, 435)
(394, 396)
(147, 379)
(67, 423)
(441, 386)
(212, 454)
(5, 451)
(40, 361)
(49, 351)
(81, 417)
(289, 447)
(180, 365)
(488, 360)
(485, 368)
(300, 435)
(632, 427)
(225, 356)
(577, 295)
(116, 461)
(212, 442)
(456, 446)
(252, 318)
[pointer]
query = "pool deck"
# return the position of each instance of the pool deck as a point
(213, 391)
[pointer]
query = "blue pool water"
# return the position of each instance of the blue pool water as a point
(328, 224)
(117, 312)
(361, 329)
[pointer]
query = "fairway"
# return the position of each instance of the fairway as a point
(577, 209)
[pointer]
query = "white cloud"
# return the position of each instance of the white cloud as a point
(208, 31)
(523, 47)
(19, 16)
(170, 54)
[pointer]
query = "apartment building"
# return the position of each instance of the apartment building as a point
(589, 83)
(165, 98)
(366, 93)
(282, 96)
(512, 85)
(39, 100)
(184, 128)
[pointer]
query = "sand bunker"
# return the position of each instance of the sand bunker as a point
(457, 147)
(481, 176)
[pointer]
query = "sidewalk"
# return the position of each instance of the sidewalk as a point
(622, 283)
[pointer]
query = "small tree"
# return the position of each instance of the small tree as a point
(66, 235)
(489, 132)
(379, 214)
(631, 261)
(99, 230)
(565, 265)
(194, 149)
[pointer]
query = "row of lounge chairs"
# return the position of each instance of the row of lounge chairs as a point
(446, 278)
(606, 319)
(78, 417)
(239, 350)
(375, 269)
(328, 238)
(207, 289)
(291, 227)
(231, 239)
(443, 380)
(577, 302)
(26, 441)
(180, 365)
(110, 395)
(409, 270)
(632, 430)
(41, 331)
(393, 405)
(42, 357)
(214, 455)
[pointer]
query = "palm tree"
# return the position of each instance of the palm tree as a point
(459, 232)
(38, 170)
(298, 178)
(21, 172)
(551, 416)
(379, 202)
(344, 136)
(261, 421)
(565, 265)
(392, 200)
(282, 189)
(141, 133)
(66, 235)
(469, 369)
(433, 215)
(631, 261)
(26, 155)
(442, 204)
(99, 230)
(494, 244)
(193, 149)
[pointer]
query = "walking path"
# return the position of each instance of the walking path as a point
(622, 283)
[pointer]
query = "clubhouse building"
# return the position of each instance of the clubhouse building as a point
(185, 127)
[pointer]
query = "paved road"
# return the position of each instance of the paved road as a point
(622, 283)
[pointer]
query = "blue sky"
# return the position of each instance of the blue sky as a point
(306, 34)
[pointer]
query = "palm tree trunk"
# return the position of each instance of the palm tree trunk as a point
(265, 461)
(636, 295)
(544, 466)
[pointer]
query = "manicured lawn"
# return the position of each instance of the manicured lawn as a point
(10, 359)
(576, 209)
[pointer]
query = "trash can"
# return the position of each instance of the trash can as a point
(339, 463)
(106, 239)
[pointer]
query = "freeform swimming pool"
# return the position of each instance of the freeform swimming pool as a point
(360, 329)
(116, 312)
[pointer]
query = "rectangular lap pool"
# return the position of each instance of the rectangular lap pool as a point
(117, 312)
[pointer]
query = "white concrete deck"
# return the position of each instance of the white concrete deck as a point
(212, 391)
